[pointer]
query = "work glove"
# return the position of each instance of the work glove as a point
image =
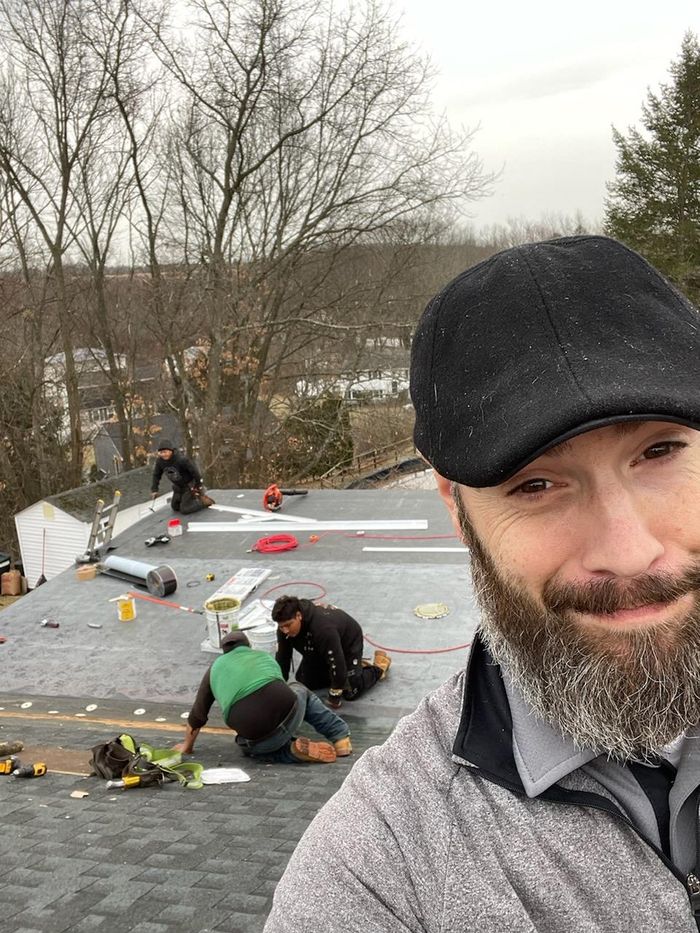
(334, 700)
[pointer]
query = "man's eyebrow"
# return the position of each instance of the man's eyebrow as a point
(562, 448)
(621, 428)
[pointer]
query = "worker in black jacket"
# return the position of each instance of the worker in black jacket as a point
(183, 473)
(330, 642)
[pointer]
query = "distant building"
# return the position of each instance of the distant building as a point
(356, 387)
(107, 440)
(55, 530)
(94, 387)
(381, 372)
(97, 399)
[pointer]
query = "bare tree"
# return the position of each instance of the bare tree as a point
(519, 230)
(141, 99)
(31, 461)
(54, 96)
(272, 170)
(104, 187)
(298, 130)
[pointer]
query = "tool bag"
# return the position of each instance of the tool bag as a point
(123, 756)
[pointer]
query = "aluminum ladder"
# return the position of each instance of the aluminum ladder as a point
(101, 530)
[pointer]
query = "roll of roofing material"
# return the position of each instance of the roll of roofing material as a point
(160, 581)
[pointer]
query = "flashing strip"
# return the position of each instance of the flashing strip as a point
(420, 550)
(416, 524)
(260, 516)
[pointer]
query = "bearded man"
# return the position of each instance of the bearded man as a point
(553, 785)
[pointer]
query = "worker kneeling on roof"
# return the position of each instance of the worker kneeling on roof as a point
(331, 643)
(188, 489)
(263, 710)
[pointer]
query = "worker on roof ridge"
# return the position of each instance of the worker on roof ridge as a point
(188, 489)
(331, 643)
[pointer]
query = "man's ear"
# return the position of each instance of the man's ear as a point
(444, 487)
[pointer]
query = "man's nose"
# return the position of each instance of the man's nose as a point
(620, 538)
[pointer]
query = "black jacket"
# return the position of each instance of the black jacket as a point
(180, 470)
(328, 637)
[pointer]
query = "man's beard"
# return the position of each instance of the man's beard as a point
(624, 692)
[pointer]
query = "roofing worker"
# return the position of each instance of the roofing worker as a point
(263, 710)
(183, 473)
(331, 644)
(554, 784)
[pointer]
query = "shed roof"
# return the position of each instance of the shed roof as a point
(134, 486)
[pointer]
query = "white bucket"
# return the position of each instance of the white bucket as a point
(263, 638)
(222, 617)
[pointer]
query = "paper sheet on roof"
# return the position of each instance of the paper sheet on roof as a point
(242, 583)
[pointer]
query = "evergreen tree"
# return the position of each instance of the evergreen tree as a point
(654, 202)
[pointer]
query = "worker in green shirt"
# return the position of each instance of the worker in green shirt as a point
(263, 710)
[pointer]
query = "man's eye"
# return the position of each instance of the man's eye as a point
(532, 487)
(662, 449)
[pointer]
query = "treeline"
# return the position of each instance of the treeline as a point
(220, 202)
(226, 161)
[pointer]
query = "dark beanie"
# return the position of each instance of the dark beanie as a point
(165, 444)
(541, 343)
(234, 640)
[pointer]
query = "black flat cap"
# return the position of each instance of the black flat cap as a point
(545, 341)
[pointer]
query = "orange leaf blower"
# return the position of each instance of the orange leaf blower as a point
(273, 496)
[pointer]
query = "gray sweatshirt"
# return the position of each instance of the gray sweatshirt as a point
(476, 816)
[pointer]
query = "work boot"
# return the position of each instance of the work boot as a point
(343, 747)
(304, 749)
(382, 661)
(206, 500)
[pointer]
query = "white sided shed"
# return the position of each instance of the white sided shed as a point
(55, 530)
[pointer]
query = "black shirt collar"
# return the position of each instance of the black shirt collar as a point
(485, 735)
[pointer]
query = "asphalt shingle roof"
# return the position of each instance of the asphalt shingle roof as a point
(134, 486)
(177, 861)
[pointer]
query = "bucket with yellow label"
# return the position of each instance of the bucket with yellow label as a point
(221, 614)
(126, 608)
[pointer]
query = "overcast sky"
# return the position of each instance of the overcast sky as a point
(545, 80)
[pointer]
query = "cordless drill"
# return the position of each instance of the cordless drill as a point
(36, 769)
(8, 765)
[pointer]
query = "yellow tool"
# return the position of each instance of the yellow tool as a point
(8, 765)
(129, 780)
(36, 769)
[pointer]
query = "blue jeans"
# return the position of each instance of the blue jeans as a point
(308, 708)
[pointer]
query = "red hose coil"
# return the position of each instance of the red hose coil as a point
(275, 544)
